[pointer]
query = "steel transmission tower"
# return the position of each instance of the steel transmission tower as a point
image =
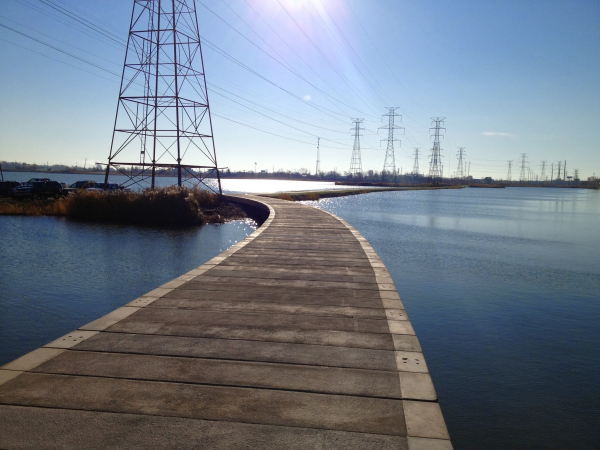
(523, 176)
(543, 176)
(415, 171)
(460, 170)
(163, 122)
(355, 163)
(509, 175)
(435, 165)
(389, 163)
(318, 169)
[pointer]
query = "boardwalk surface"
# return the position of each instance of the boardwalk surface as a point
(294, 338)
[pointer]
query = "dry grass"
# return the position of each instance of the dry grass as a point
(165, 207)
(285, 197)
(32, 208)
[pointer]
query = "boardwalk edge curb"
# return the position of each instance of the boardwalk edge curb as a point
(424, 420)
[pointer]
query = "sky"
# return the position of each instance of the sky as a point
(509, 77)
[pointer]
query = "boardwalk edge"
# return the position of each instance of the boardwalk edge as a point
(425, 422)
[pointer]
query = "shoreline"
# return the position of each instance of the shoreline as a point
(299, 196)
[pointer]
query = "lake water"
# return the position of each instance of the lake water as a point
(57, 275)
(501, 285)
(503, 289)
(229, 185)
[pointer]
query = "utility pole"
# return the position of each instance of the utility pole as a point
(355, 162)
(435, 164)
(522, 176)
(509, 175)
(543, 177)
(460, 170)
(565, 171)
(318, 169)
(416, 163)
(552, 174)
(389, 163)
(469, 172)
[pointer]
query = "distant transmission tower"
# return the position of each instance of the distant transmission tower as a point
(415, 171)
(523, 175)
(318, 169)
(355, 163)
(509, 175)
(163, 123)
(559, 169)
(543, 176)
(460, 170)
(435, 165)
(389, 163)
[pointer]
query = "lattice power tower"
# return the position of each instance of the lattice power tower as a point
(163, 123)
(435, 165)
(355, 162)
(389, 163)
(460, 168)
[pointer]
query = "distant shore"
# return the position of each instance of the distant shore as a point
(299, 196)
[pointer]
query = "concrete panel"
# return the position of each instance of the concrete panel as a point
(71, 339)
(67, 429)
(411, 362)
(321, 379)
(7, 375)
(32, 359)
(380, 341)
(272, 407)
(417, 386)
(406, 343)
(256, 307)
(287, 321)
(110, 319)
(400, 327)
(415, 443)
(242, 350)
(424, 419)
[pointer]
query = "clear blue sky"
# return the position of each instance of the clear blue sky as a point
(510, 77)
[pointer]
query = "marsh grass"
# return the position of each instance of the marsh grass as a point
(164, 207)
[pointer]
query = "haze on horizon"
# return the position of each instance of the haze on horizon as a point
(510, 77)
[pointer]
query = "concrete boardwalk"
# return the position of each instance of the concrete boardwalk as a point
(294, 338)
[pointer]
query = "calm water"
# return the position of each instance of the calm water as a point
(503, 289)
(56, 275)
(501, 285)
(228, 185)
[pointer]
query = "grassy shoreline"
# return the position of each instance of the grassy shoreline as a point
(170, 207)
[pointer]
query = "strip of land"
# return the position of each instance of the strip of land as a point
(329, 193)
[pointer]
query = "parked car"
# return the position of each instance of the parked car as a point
(6, 187)
(80, 185)
(111, 187)
(105, 186)
(38, 189)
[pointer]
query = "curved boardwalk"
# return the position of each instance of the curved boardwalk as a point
(294, 338)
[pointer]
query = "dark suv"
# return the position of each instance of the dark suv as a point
(6, 187)
(80, 185)
(44, 188)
